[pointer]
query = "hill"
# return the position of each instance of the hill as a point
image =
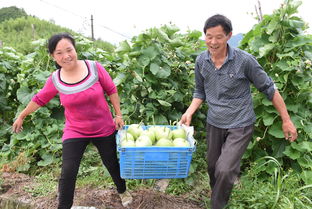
(235, 40)
(7, 13)
(19, 31)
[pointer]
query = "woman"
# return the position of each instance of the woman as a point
(81, 86)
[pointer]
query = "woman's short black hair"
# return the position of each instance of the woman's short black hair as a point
(53, 41)
(216, 20)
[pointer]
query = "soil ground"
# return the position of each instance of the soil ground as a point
(13, 193)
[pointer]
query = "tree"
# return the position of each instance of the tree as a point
(19, 33)
(13, 12)
(282, 47)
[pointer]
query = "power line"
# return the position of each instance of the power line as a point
(107, 28)
(84, 18)
(60, 8)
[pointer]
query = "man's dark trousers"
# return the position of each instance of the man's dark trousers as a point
(225, 150)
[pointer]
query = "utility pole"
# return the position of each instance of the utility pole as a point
(33, 31)
(92, 31)
(259, 12)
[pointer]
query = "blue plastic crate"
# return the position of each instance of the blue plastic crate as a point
(155, 162)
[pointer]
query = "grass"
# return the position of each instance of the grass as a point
(284, 189)
(284, 192)
(1, 183)
(45, 184)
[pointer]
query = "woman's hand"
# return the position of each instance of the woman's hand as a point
(119, 123)
(18, 125)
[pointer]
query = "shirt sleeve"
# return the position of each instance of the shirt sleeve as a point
(106, 81)
(260, 78)
(46, 93)
(199, 91)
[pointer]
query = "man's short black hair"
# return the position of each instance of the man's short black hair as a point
(216, 20)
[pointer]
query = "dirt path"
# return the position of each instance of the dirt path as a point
(13, 193)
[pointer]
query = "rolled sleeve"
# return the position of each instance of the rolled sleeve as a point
(199, 91)
(269, 92)
(260, 78)
(106, 81)
(38, 101)
(45, 94)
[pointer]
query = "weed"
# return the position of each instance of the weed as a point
(45, 184)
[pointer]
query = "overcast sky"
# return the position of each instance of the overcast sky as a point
(117, 20)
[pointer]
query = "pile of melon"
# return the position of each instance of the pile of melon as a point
(162, 136)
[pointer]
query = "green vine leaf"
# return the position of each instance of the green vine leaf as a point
(164, 103)
(276, 130)
(292, 153)
(24, 95)
(160, 71)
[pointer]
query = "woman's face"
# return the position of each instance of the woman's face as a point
(65, 53)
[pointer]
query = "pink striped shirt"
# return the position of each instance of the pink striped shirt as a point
(87, 113)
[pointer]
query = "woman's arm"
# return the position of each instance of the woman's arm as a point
(18, 123)
(114, 98)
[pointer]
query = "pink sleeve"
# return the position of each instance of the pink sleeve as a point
(105, 80)
(46, 93)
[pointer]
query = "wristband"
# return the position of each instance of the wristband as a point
(118, 116)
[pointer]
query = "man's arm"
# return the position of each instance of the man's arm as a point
(290, 131)
(187, 116)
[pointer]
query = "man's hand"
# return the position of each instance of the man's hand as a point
(187, 116)
(186, 119)
(290, 131)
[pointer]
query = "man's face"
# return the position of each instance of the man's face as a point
(216, 40)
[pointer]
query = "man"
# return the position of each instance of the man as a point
(222, 78)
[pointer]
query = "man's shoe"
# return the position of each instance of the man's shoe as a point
(126, 198)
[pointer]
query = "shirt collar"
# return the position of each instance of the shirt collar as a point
(230, 54)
